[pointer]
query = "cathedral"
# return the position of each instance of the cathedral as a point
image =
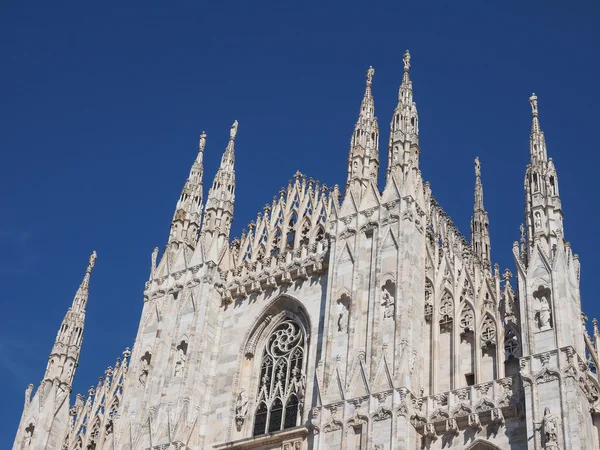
(341, 319)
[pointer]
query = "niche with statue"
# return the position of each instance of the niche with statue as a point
(542, 306)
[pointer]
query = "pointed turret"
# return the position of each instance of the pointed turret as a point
(218, 213)
(363, 161)
(403, 146)
(67, 346)
(186, 220)
(543, 210)
(480, 235)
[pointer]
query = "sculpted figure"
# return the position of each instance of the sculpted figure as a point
(543, 314)
(180, 363)
(241, 405)
(144, 371)
(27, 439)
(387, 301)
(342, 320)
(549, 430)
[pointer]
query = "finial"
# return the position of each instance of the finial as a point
(202, 143)
(233, 131)
(477, 168)
(92, 262)
(406, 60)
(370, 74)
(534, 104)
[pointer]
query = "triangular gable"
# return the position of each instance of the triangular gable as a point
(391, 191)
(348, 204)
(382, 380)
(358, 385)
(370, 199)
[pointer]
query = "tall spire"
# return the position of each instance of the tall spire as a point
(186, 220)
(67, 345)
(543, 209)
(403, 146)
(218, 213)
(480, 234)
(537, 142)
(363, 161)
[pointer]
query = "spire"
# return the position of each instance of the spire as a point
(218, 213)
(543, 209)
(186, 220)
(537, 143)
(363, 161)
(81, 297)
(67, 345)
(403, 146)
(478, 205)
(480, 234)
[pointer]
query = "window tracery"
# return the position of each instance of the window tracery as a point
(282, 380)
(446, 312)
(488, 332)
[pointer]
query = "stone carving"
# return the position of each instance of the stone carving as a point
(145, 363)
(543, 314)
(549, 428)
(241, 409)
(180, 359)
(388, 301)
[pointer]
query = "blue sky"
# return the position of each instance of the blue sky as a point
(102, 107)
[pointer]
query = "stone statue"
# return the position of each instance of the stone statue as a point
(241, 409)
(144, 371)
(180, 363)
(543, 314)
(241, 405)
(27, 438)
(387, 301)
(233, 131)
(538, 221)
(343, 320)
(549, 427)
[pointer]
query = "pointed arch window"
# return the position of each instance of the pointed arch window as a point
(282, 379)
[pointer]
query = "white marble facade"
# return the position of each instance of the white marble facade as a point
(342, 321)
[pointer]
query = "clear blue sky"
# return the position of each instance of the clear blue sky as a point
(101, 108)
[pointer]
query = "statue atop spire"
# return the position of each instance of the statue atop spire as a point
(218, 213)
(363, 161)
(370, 74)
(233, 131)
(403, 146)
(202, 142)
(406, 61)
(480, 235)
(186, 219)
(535, 124)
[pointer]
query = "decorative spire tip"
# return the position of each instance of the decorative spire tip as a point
(370, 74)
(406, 60)
(534, 104)
(477, 168)
(233, 131)
(92, 262)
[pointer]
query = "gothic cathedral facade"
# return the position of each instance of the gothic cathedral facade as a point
(354, 320)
